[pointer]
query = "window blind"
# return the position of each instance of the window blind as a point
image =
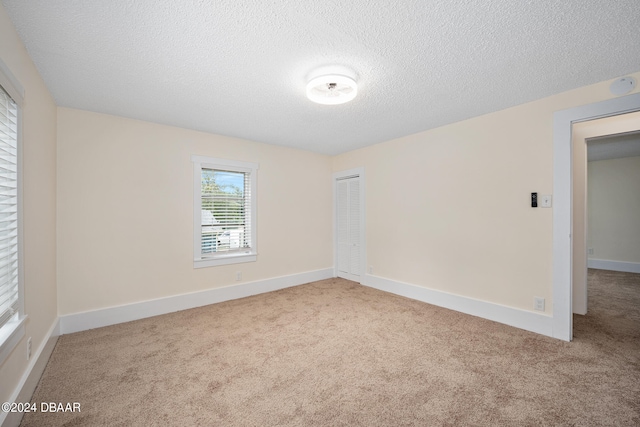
(226, 211)
(8, 207)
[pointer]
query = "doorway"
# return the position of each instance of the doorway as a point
(349, 229)
(562, 324)
(601, 139)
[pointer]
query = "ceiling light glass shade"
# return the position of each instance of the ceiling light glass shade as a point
(332, 89)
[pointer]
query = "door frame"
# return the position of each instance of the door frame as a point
(580, 252)
(356, 172)
(562, 325)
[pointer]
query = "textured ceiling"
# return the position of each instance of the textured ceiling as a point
(239, 68)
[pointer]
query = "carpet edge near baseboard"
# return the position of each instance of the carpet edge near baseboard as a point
(77, 322)
(605, 264)
(528, 320)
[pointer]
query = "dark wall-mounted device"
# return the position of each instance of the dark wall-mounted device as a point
(534, 200)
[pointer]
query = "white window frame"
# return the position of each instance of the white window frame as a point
(251, 255)
(14, 330)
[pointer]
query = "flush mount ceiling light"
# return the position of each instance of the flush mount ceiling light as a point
(332, 89)
(623, 86)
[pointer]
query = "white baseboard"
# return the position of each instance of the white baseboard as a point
(527, 320)
(77, 322)
(605, 264)
(31, 376)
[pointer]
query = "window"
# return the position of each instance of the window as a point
(11, 294)
(224, 216)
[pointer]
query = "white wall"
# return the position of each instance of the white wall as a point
(449, 209)
(125, 211)
(614, 209)
(39, 205)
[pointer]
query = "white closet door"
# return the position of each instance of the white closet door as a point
(348, 228)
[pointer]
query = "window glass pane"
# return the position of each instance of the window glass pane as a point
(224, 208)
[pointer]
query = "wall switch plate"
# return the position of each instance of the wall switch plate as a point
(534, 200)
(538, 303)
(545, 201)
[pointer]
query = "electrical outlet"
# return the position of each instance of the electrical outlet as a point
(29, 348)
(590, 251)
(238, 276)
(371, 269)
(538, 303)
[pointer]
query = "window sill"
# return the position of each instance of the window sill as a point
(224, 260)
(10, 335)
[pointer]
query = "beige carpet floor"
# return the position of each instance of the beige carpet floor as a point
(334, 353)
